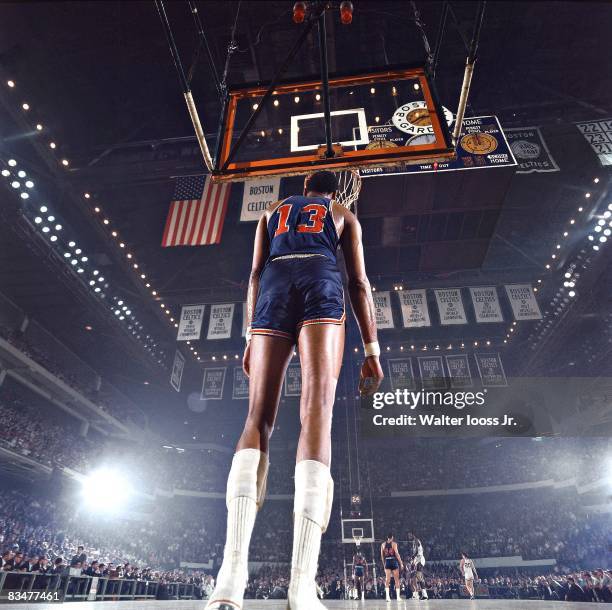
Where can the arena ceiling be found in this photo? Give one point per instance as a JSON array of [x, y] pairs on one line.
[[100, 78]]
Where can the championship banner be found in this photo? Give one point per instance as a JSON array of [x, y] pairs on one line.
[[599, 135], [482, 145], [245, 318], [491, 370], [415, 312], [530, 150], [212, 384], [486, 304], [431, 369], [382, 305], [240, 386], [177, 371], [401, 374], [190, 324], [523, 301], [220, 325], [459, 371], [293, 380], [257, 196], [450, 306]]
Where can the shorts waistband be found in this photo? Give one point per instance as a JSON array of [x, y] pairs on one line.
[[290, 256]]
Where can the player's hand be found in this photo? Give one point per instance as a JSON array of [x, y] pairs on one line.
[[371, 376], [246, 359]]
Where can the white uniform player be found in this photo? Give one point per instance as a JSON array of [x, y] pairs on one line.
[[468, 569]]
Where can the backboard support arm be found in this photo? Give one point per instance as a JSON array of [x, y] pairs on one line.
[[268, 94], [329, 150], [469, 71], [191, 107]]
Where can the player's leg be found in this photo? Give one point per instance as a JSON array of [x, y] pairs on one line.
[[398, 585], [423, 585], [387, 584], [321, 347], [246, 483]]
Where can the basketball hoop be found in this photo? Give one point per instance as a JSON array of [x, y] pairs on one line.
[[349, 187], [357, 540]]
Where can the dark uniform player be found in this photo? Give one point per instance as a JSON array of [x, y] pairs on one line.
[[417, 562], [360, 573], [295, 296], [392, 562]]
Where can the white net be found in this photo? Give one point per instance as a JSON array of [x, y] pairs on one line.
[[349, 187]]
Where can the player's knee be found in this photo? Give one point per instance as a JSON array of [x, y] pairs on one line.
[[260, 425]]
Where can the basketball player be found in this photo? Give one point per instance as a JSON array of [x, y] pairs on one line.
[[468, 569], [392, 562], [295, 296], [417, 563], [360, 573]]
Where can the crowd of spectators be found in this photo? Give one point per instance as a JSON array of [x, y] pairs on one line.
[[86, 384]]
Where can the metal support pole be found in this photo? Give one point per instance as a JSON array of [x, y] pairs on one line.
[[469, 71], [439, 38], [329, 151], [281, 70], [204, 42], [193, 113]]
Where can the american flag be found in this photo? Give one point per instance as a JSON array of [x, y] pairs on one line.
[[197, 212]]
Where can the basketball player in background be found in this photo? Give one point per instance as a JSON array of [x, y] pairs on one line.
[[468, 569], [392, 563], [360, 573], [295, 295], [417, 563]]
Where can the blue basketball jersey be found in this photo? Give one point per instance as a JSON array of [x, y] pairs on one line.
[[303, 225]]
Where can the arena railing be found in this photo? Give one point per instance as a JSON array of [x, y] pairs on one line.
[[92, 588]]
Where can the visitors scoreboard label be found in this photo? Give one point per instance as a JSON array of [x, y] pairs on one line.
[[482, 145]]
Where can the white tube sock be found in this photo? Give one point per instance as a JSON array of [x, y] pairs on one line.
[[245, 493], [311, 508]]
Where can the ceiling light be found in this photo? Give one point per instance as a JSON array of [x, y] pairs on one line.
[[10, 83], [52, 144], [12, 162], [71, 244], [29, 184], [38, 220], [45, 229], [53, 238], [24, 195], [58, 227], [15, 184], [25, 106], [65, 162], [39, 127], [6, 173], [21, 173]]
